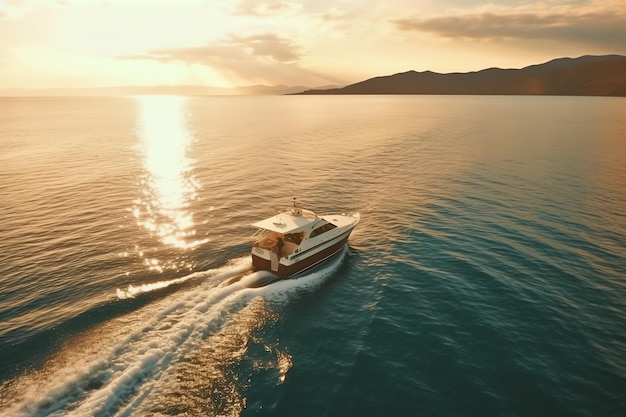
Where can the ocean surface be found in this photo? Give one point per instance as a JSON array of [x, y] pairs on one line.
[[487, 276]]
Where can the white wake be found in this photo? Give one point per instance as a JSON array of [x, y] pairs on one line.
[[237, 266], [113, 369]]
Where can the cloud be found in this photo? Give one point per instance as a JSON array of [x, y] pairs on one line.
[[269, 47], [264, 58], [279, 49], [335, 15], [599, 26], [262, 7], [16, 9]]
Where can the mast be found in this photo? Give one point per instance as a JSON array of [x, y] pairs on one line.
[[295, 209]]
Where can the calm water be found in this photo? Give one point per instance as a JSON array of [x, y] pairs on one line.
[[487, 276]]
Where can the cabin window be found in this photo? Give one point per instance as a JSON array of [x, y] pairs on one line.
[[294, 237], [322, 229]]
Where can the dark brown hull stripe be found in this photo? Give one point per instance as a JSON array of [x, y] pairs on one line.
[[287, 271]]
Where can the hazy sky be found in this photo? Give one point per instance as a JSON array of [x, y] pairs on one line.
[[79, 43]]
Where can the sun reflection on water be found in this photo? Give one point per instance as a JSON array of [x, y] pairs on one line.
[[168, 187]]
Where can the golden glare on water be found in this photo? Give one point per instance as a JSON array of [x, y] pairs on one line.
[[168, 187]]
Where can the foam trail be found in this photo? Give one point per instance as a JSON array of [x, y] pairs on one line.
[[237, 266], [114, 369], [258, 279], [142, 355], [109, 373], [150, 359], [284, 291]]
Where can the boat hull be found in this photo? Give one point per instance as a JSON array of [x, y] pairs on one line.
[[304, 262]]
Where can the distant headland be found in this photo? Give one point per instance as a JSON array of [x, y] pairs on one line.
[[133, 90], [584, 76]]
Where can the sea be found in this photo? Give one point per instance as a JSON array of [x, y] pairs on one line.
[[487, 275]]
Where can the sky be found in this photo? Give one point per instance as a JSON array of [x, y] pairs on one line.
[[226, 43]]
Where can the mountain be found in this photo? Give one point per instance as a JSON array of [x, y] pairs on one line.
[[584, 76], [183, 90]]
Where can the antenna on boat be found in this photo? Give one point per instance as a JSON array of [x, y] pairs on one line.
[[295, 209]]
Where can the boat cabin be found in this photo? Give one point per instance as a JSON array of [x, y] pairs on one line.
[[284, 233], [297, 239]]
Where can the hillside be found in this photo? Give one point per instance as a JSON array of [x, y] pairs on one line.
[[183, 90], [584, 76]]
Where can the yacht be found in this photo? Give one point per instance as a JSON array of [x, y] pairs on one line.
[[298, 239]]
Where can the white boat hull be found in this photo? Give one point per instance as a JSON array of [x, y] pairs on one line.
[[301, 260]]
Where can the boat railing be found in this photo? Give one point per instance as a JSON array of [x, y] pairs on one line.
[[259, 235], [355, 215]]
